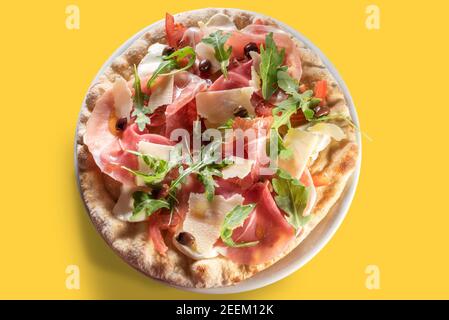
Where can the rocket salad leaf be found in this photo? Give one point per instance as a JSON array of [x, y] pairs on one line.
[[271, 60], [218, 40], [291, 197], [234, 219], [144, 204], [140, 110], [171, 64]]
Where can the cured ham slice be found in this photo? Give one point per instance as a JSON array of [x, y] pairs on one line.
[[238, 77], [163, 221], [191, 37], [256, 33], [107, 146], [177, 115], [254, 143], [265, 224]]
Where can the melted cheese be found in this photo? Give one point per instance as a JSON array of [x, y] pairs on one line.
[[122, 98], [151, 61], [240, 168], [204, 220], [155, 150], [218, 106]]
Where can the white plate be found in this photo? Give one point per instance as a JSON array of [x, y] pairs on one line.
[[318, 238]]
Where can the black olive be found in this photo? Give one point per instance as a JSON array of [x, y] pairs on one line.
[[121, 123], [186, 239], [168, 51], [321, 111], [250, 47], [240, 112], [205, 65]]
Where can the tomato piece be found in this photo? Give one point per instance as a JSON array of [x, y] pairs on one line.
[[174, 31], [321, 91]]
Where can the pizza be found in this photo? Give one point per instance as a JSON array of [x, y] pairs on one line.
[[212, 147]]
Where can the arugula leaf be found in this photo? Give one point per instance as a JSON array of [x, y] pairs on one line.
[[217, 40], [287, 83], [206, 177], [205, 168], [305, 100], [170, 64], [234, 219], [291, 197], [283, 111], [159, 167], [140, 111], [144, 204], [271, 60]]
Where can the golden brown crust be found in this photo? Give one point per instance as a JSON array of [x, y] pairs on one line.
[[336, 162]]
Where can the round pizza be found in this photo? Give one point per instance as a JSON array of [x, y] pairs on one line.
[[212, 147]]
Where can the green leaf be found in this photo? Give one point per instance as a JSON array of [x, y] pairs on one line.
[[283, 112], [218, 40], [144, 204], [287, 83], [164, 67], [291, 197], [234, 219], [271, 60], [206, 177], [170, 64], [159, 167], [140, 111], [206, 167]]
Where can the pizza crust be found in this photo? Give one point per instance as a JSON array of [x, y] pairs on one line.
[[130, 240]]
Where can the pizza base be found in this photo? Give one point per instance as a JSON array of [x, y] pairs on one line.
[[130, 240]]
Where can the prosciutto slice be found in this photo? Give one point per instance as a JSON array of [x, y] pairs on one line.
[[180, 114], [256, 33], [238, 77], [108, 147], [255, 144], [162, 220], [265, 224]]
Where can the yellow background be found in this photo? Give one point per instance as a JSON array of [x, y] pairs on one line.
[[399, 219]]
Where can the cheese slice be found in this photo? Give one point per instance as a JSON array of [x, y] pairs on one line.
[[122, 98], [162, 92], [239, 169], [219, 106], [151, 61], [123, 209], [217, 22], [303, 144], [325, 131], [204, 220], [124, 205], [155, 150], [207, 52], [328, 129]]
